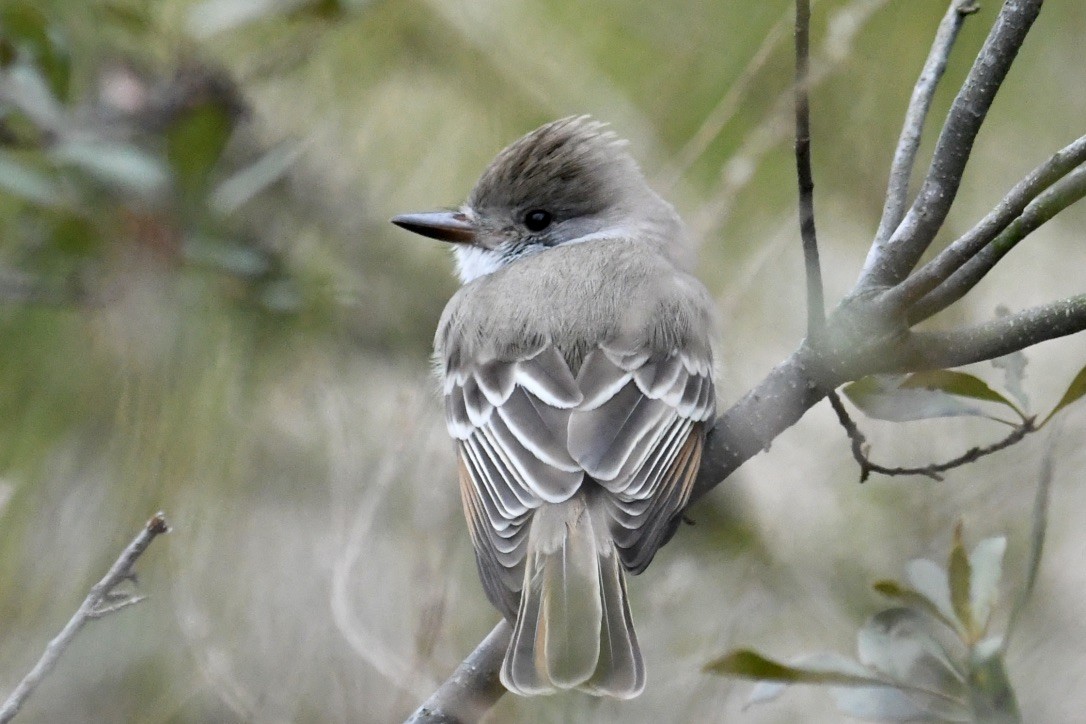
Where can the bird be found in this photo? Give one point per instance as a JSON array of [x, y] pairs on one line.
[[577, 372]]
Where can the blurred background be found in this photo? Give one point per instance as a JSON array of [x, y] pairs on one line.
[[204, 310]]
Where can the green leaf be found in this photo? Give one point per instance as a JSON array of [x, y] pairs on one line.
[[194, 144], [957, 383], [747, 664], [115, 164], [959, 575], [27, 27], [878, 703], [765, 690], [227, 256], [1037, 535], [991, 695], [882, 397], [27, 89], [250, 181], [28, 184], [913, 599], [930, 580], [1075, 390], [900, 644], [986, 566]]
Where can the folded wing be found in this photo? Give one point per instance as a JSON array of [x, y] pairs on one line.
[[639, 433], [510, 419]]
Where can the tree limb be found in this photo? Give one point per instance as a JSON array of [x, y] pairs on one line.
[[889, 262], [938, 350], [1013, 205], [98, 603], [901, 169], [473, 688], [1066, 192]]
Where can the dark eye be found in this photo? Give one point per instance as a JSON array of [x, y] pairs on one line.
[[537, 219]]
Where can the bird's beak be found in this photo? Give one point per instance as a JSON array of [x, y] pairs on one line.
[[452, 226]]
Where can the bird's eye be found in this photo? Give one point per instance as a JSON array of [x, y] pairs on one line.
[[537, 219]]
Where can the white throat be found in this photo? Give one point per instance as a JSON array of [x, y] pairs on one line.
[[473, 262]]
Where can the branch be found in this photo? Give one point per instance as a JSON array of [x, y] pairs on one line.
[[1041, 210], [816, 306], [1013, 205], [473, 688], [954, 348], [933, 470], [905, 155], [99, 602], [889, 262]]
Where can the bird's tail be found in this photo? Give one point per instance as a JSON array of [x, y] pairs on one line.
[[573, 627]]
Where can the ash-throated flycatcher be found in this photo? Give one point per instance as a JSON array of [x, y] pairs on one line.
[[578, 382]]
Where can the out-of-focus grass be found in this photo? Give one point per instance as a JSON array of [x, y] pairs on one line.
[[319, 569]]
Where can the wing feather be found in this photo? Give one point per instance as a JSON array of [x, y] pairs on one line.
[[510, 418], [639, 434]]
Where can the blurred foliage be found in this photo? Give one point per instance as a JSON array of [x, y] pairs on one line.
[[204, 309], [931, 657]]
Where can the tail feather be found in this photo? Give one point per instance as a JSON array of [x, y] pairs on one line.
[[620, 672], [573, 627]]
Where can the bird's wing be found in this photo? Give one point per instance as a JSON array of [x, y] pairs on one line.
[[639, 432], [510, 419]]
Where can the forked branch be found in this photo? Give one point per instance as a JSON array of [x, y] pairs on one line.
[[101, 601]]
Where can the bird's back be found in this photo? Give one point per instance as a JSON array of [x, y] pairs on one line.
[[579, 296]]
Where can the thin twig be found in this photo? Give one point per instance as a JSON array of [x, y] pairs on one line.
[[816, 307], [1067, 191], [932, 470], [91, 608], [889, 262], [905, 154]]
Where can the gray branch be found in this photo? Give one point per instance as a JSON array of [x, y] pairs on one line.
[[1001, 336], [1012, 206], [474, 686], [890, 261], [1066, 192], [99, 602], [901, 170]]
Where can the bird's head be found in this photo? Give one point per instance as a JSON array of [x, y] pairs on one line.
[[570, 181]]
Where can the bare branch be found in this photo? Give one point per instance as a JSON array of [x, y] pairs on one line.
[[1068, 191], [933, 470], [816, 306], [473, 688], [92, 607], [937, 350], [901, 169], [750, 425], [890, 261], [951, 259]]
